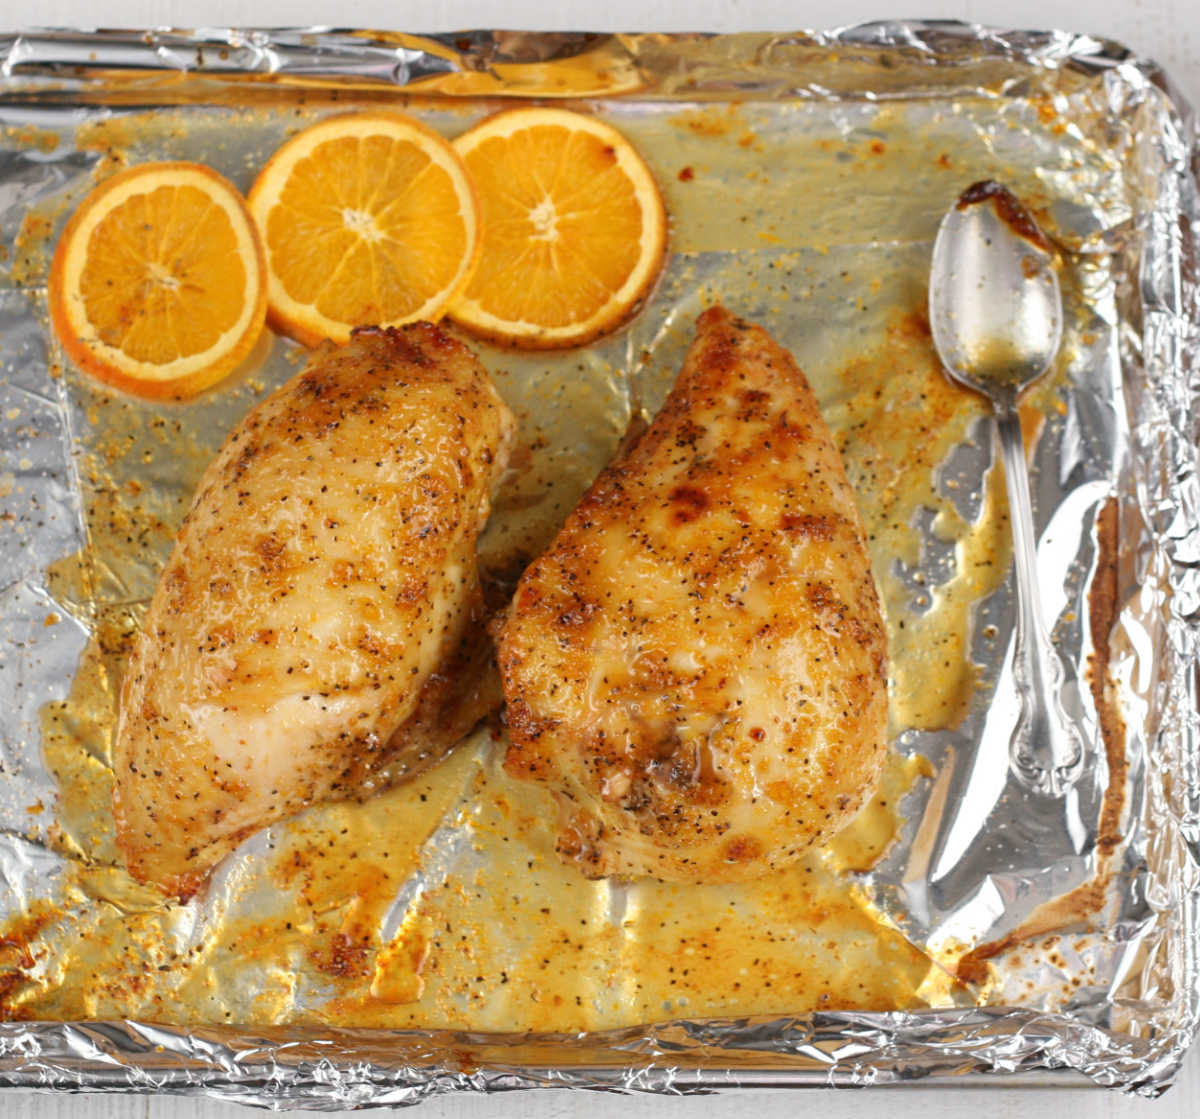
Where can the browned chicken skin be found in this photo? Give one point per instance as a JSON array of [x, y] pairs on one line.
[[697, 665], [318, 630]]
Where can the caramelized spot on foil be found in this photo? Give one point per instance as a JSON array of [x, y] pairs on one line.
[[345, 957], [1102, 610], [17, 957], [717, 121]]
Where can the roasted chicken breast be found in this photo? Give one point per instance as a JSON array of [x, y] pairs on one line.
[[697, 665], [318, 629]]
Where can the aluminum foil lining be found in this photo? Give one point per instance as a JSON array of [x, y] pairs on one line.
[[1066, 933]]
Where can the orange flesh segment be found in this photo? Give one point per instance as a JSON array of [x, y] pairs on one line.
[[574, 230], [368, 219], [163, 279], [158, 284], [557, 210]]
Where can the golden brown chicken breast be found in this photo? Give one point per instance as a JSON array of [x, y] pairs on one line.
[[697, 665], [318, 629]]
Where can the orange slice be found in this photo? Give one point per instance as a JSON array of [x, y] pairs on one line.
[[574, 230], [369, 219], [158, 284]]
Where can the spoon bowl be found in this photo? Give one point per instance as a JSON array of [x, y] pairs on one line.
[[995, 306]]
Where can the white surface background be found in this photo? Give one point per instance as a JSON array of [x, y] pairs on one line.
[[1166, 30]]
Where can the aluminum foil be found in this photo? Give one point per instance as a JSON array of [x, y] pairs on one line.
[[1060, 937]]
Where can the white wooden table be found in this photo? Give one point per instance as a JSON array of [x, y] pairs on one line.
[[1167, 30]]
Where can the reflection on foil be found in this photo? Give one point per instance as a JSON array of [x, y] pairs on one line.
[[978, 928]]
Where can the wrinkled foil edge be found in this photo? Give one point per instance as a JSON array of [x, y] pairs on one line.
[[334, 1069]]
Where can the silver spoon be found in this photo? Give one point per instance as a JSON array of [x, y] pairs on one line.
[[996, 312]]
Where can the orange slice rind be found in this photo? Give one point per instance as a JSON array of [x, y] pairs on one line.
[[574, 229], [369, 219], [158, 283]]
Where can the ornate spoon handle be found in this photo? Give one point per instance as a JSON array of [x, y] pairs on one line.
[[1046, 748]]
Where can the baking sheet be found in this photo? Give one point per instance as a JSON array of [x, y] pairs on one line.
[[805, 176]]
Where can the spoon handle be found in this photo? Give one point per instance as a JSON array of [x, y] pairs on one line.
[[1046, 748]]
